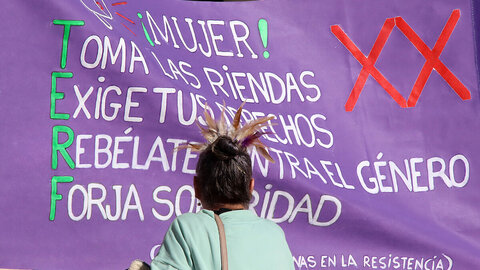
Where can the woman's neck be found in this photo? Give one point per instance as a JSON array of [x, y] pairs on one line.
[[227, 206]]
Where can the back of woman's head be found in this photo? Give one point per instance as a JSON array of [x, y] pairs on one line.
[[224, 172]]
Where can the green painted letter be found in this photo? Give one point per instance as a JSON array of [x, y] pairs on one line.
[[61, 147], [54, 95], [66, 35], [54, 197]]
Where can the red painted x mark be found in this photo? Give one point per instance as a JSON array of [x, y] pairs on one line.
[[432, 60], [431, 56], [368, 64]]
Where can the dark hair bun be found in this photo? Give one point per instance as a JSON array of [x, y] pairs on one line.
[[225, 148]]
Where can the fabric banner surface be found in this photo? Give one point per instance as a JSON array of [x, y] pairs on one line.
[[375, 136]]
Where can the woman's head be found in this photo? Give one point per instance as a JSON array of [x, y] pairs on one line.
[[224, 168], [224, 174]]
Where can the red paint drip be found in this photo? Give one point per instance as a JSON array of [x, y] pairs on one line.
[[119, 3], [129, 29], [100, 5], [125, 17]]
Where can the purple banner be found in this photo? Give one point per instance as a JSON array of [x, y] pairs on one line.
[[375, 135]]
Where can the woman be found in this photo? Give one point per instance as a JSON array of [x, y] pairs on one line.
[[224, 185]]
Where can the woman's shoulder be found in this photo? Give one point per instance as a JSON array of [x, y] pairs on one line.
[[270, 226], [193, 219], [250, 218], [205, 218]]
